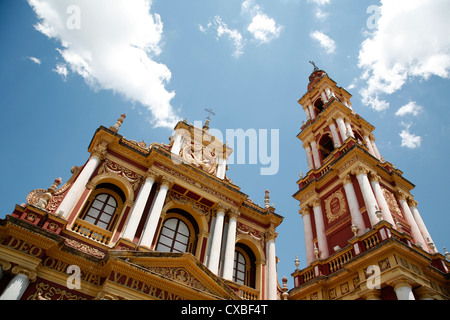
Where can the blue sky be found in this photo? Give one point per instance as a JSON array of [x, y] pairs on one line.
[[67, 70]]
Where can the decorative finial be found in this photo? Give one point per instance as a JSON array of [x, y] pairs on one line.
[[285, 289], [398, 224], [378, 213], [354, 228], [211, 113], [266, 200], [314, 65], [297, 262], [43, 201], [316, 251], [206, 126], [447, 254], [301, 175], [118, 123], [431, 244]]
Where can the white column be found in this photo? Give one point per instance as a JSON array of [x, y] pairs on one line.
[[16, 287], [375, 149], [369, 198], [336, 140], [230, 247], [353, 205], [320, 230], [403, 290], [308, 234], [211, 235], [176, 147], [417, 236], [138, 208], [155, 213], [349, 104], [342, 129], [213, 263], [222, 167], [423, 229], [349, 129], [308, 116], [315, 155], [369, 145], [330, 93], [78, 186], [385, 212], [311, 111], [324, 97], [309, 157], [271, 266]]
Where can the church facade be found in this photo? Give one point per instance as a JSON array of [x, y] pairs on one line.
[[136, 222], [164, 222], [363, 233]]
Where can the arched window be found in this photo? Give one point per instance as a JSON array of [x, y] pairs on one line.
[[244, 267], [104, 206], [102, 210], [318, 105], [326, 146], [174, 236], [239, 268]]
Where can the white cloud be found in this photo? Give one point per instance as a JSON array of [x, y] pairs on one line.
[[411, 40], [324, 41], [249, 6], [410, 140], [263, 28], [35, 60], [320, 14], [320, 2], [319, 5], [61, 69], [410, 108], [114, 47], [222, 29]]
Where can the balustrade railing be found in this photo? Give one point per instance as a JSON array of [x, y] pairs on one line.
[[338, 260], [371, 241], [245, 292], [91, 231]]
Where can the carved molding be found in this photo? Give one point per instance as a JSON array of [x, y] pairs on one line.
[[182, 199], [391, 201], [335, 206], [45, 291], [195, 183], [132, 177], [200, 156]]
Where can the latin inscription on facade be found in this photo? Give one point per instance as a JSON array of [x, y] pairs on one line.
[[335, 206]]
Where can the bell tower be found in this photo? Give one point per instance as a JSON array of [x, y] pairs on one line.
[[354, 204]]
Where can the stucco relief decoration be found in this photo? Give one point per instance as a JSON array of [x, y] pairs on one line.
[[392, 202], [132, 177], [201, 208], [196, 183], [200, 156], [85, 248], [52, 197], [180, 275], [246, 230], [44, 291], [335, 206]]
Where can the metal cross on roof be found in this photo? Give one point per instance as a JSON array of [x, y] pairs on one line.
[[210, 111], [314, 65]]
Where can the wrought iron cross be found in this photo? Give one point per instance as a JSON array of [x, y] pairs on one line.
[[314, 65], [210, 111]]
